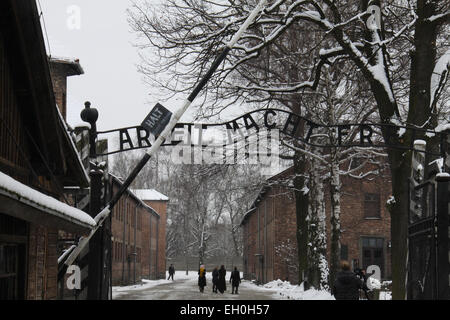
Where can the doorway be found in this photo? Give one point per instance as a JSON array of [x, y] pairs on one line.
[[373, 253]]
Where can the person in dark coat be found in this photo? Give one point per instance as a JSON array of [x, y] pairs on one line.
[[215, 279], [347, 284], [235, 280], [221, 283], [202, 278], [171, 272]]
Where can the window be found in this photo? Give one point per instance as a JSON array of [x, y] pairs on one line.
[[372, 206], [344, 252], [12, 273]]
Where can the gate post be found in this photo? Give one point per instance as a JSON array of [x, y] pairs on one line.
[[443, 220], [446, 149], [95, 260], [443, 237]]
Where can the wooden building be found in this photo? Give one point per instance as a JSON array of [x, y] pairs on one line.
[[138, 235], [269, 228], [37, 159]]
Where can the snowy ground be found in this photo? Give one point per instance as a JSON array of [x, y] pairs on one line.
[[185, 288]]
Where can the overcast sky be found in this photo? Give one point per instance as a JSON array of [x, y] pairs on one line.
[[103, 42]]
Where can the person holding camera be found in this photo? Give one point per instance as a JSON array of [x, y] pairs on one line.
[[361, 274], [347, 284]]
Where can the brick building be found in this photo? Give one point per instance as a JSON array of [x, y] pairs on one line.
[[138, 235], [37, 159], [269, 228], [61, 69]]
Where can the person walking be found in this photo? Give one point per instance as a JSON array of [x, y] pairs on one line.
[[202, 278], [221, 283], [235, 280], [215, 279], [171, 272], [347, 284]]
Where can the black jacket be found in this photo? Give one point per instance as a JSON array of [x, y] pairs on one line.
[[235, 278], [346, 286], [221, 285], [215, 276]]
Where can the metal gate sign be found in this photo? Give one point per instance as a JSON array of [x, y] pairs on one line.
[[157, 119], [240, 128]]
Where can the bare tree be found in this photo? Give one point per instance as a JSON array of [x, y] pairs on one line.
[[395, 50]]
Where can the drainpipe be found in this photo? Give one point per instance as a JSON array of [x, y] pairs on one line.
[[124, 253], [265, 242], [135, 230], [157, 248], [259, 272], [150, 250]]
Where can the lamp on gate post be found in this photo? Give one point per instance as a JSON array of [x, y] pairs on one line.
[[96, 244]]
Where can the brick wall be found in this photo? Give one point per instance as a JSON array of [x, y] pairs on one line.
[[42, 263], [355, 226], [59, 78], [128, 240], [148, 237], [160, 242], [285, 235], [276, 239]]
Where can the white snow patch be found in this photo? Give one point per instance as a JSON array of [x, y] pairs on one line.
[[401, 132], [442, 66], [150, 195], [373, 283], [82, 125], [280, 290], [379, 74], [420, 142], [297, 292], [442, 127], [391, 200], [305, 190]]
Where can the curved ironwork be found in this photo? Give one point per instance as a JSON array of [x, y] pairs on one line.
[[269, 119]]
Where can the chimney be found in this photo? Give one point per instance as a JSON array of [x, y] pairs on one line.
[[60, 70]]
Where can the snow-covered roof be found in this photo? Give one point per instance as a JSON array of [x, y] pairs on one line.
[[73, 63], [150, 195], [133, 194], [16, 190]]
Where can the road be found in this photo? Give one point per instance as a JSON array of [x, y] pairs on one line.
[[185, 288]]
